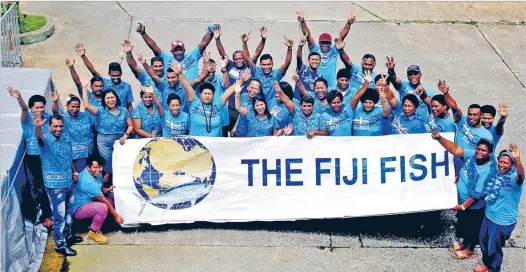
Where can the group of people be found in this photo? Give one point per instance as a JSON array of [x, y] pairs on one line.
[[70, 152]]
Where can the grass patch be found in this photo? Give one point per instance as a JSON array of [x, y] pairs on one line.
[[52, 261], [29, 23]]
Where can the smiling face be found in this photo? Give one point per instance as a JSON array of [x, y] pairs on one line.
[[239, 61], [504, 164], [487, 120], [408, 108], [158, 68], [437, 108], [368, 64], [379, 86], [306, 108], [73, 108], [115, 77], [482, 152], [260, 107], [473, 117], [368, 105], [97, 87], [175, 107], [336, 104], [266, 66], [325, 46], [110, 100], [314, 61], [321, 90], [147, 99], [342, 83], [414, 77], [56, 127], [95, 169], [38, 108], [172, 79], [206, 96], [178, 53], [253, 89]]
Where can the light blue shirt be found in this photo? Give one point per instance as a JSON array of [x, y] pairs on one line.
[[307, 78], [220, 90], [442, 124], [358, 78], [144, 78], [267, 87], [107, 123], [123, 90], [92, 100], [505, 210], [318, 105], [150, 121], [329, 60], [242, 123], [495, 135], [85, 190], [189, 64], [80, 131], [57, 159], [463, 182], [200, 113], [260, 127], [303, 125], [402, 124], [367, 123], [280, 112], [339, 123], [175, 125], [467, 136], [28, 132], [164, 90], [422, 112]]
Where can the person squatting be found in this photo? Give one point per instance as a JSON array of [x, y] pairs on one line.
[[69, 153]]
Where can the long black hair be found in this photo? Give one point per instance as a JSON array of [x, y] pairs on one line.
[[260, 97]]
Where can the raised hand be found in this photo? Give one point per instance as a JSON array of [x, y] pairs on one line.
[[217, 32], [390, 64], [238, 88], [79, 47], [141, 29], [245, 76], [245, 37], [288, 129], [176, 67], [383, 97], [420, 90], [351, 18], [435, 135], [504, 109], [514, 150], [300, 16], [70, 61], [14, 93], [206, 57], [383, 79], [263, 32], [442, 87], [339, 43], [84, 81], [127, 46], [54, 95], [140, 58], [303, 40], [295, 77], [147, 89], [38, 121], [367, 76], [224, 62], [288, 42]]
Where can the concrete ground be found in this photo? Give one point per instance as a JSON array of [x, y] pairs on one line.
[[478, 47]]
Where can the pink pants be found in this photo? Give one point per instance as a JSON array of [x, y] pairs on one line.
[[95, 209]]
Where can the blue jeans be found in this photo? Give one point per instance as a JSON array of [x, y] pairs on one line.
[[62, 219], [492, 238]]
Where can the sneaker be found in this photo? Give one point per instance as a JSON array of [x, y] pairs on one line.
[[74, 240], [98, 237], [66, 251]]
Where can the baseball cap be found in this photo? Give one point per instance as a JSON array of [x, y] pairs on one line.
[[177, 43], [325, 37], [415, 68]]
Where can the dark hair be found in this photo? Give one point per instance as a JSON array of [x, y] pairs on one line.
[[211, 60], [487, 143], [314, 54], [260, 97], [369, 56], [170, 70], [36, 98], [440, 99], [72, 98], [142, 93], [488, 109], [114, 66], [171, 97], [333, 94], [474, 106], [344, 72], [156, 58], [321, 79], [287, 89], [256, 80], [207, 86], [94, 158], [95, 79], [307, 99], [106, 92], [370, 94], [412, 98], [57, 117], [377, 77], [236, 52], [265, 57]]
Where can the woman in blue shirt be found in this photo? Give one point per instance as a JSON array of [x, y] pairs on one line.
[[113, 122], [338, 118], [146, 118], [175, 121], [260, 121], [321, 104], [403, 119], [440, 120]]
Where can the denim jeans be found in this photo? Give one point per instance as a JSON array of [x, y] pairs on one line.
[[59, 199], [492, 239]]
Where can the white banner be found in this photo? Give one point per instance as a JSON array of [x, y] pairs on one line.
[[188, 179]]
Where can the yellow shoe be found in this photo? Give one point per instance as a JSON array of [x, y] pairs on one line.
[[98, 237]]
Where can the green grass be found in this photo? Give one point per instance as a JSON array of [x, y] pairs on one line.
[[31, 22]]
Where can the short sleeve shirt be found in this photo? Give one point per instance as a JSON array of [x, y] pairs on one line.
[[108, 123], [267, 81], [79, 130], [150, 121], [303, 124], [260, 127], [358, 79], [123, 90], [175, 125], [463, 182], [28, 131], [205, 116], [85, 190], [367, 123], [505, 209], [339, 123], [189, 64], [57, 157]]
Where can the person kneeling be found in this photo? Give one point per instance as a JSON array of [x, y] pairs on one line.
[[89, 201]]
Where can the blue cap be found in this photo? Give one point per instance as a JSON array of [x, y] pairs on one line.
[[415, 68]]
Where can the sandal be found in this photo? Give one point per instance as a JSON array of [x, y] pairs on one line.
[[456, 247], [462, 255], [480, 268]]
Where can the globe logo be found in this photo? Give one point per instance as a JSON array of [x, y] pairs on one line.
[[173, 173]]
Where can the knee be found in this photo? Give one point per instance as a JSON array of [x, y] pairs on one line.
[[102, 209]]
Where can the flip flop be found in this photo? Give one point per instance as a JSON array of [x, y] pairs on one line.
[[480, 268], [456, 247], [461, 255]]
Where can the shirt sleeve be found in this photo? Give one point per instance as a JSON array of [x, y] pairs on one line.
[[136, 114], [91, 189], [468, 153], [129, 93], [166, 57], [321, 122], [514, 180], [142, 77], [315, 48], [126, 114]]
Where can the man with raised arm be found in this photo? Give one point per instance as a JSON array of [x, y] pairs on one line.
[[122, 88], [142, 76], [357, 72], [488, 117], [327, 50], [96, 86], [188, 61], [306, 74]]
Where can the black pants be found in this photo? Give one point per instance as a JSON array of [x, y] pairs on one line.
[[34, 196], [468, 226], [232, 116]]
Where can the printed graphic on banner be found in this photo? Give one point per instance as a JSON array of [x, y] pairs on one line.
[[173, 173]]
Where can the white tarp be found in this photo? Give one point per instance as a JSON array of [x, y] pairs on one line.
[[187, 179], [21, 244]]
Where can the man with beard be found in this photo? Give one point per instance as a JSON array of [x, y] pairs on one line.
[[189, 61], [306, 74], [142, 76], [487, 118], [95, 89], [327, 50], [122, 88], [357, 73]]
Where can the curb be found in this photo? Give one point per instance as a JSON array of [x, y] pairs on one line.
[[38, 35]]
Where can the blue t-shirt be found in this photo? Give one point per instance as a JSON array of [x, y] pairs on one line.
[[467, 136], [144, 78], [175, 125], [201, 114], [57, 158], [150, 121], [328, 63], [107, 123], [92, 100], [318, 104], [339, 123], [218, 82], [234, 74], [303, 125], [307, 77], [80, 131], [189, 64], [505, 209], [258, 127], [399, 123], [367, 123], [242, 123], [280, 112], [28, 132], [422, 112], [267, 81], [495, 135], [123, 90], [358, 78], [442, 124], [164, 90], [463, 182], [347, 97], [85, 190]]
